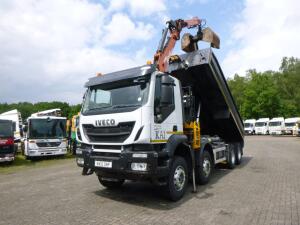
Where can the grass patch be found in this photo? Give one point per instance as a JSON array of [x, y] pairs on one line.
[[21, 163]]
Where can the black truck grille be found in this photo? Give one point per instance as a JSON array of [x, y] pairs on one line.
[[47, 144], [108, 134]]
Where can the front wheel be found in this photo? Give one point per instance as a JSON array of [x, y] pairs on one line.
[[111, 183], [178, 179]]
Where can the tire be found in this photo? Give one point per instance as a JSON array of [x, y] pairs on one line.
[[238, 154], [177, 179], [204, 171], [111, 183], [231, 157]]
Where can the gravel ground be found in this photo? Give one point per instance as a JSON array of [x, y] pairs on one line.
[[264, 189]]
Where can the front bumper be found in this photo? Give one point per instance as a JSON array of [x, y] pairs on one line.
[[157, 164], [46, 152], [276, 132], [7, 157]]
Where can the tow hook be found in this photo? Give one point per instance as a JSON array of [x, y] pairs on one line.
[[87, 171]]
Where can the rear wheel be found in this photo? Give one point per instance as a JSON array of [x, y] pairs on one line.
[[204, 171], [111, 183], [231, 159], [178, 179], [238, 154]]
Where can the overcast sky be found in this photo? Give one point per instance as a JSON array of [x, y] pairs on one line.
[[48, 48]]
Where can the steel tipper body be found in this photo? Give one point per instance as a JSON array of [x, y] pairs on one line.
[[142, 124], [45, 135], [7, 151]]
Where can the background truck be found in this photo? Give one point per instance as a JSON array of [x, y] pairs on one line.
[[7, 150], [249, 126], [262, 126], [276, 126], [45, 134], [291, 125], [16, 118], [168, 122]]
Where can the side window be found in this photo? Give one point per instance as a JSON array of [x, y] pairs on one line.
[[164, 103]]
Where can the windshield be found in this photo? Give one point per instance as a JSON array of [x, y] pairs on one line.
[[260, 124], [247, 125], [6, 129], [47, 128], [124, 95], [290, 124], [274, 124]]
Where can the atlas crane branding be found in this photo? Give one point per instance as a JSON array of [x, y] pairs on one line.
[[105, 123]]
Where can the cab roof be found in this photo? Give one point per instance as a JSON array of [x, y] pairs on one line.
[[120, 75]]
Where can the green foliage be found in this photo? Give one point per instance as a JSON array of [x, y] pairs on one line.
[[27, 108], [269, 94]]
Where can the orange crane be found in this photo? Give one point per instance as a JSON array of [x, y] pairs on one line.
[[188, 42]]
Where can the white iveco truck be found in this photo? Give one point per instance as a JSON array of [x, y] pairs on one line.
[[291, 125], [167, 124], [45, 134], [249, 126], [276, 126], [262, 126]]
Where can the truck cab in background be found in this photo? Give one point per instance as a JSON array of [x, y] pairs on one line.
[[276, 126], [45, 134], [262, 126], [15, 117], [7, 150], [291, 125], [249, 126]]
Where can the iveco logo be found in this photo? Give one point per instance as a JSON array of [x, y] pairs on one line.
[[107, 122]]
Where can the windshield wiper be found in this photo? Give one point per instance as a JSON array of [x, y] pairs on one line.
[[99, 108], [124, 106]]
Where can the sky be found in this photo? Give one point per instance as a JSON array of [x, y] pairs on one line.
[[49, 48]]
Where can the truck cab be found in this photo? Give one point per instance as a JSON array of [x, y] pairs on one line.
[[143, 124], [290, 125], [262, 126], [7, 150], [276, 126], [249, 126], [45, 135]]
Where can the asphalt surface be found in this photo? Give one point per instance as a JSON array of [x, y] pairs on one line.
[[264, 189]]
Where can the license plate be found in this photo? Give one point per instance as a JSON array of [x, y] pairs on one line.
[[104, 164]]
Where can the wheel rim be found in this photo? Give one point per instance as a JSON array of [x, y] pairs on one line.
[[206, 167], [179, 178]]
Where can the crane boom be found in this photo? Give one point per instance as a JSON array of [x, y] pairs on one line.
[[174, 27], [165, 49]]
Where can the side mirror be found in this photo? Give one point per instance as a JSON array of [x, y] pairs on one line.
[[167, 84], [25, 128], [166, 95]]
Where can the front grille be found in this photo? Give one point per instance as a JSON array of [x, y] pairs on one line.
[[47, 144], [108, 134]]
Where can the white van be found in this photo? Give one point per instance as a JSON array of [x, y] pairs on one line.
[[276, 126], [290, 125], [262, 126], [249, 126]]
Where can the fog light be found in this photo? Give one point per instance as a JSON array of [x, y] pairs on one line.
[[139, 166], [80, 161], [139, 155], [78, 151]]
